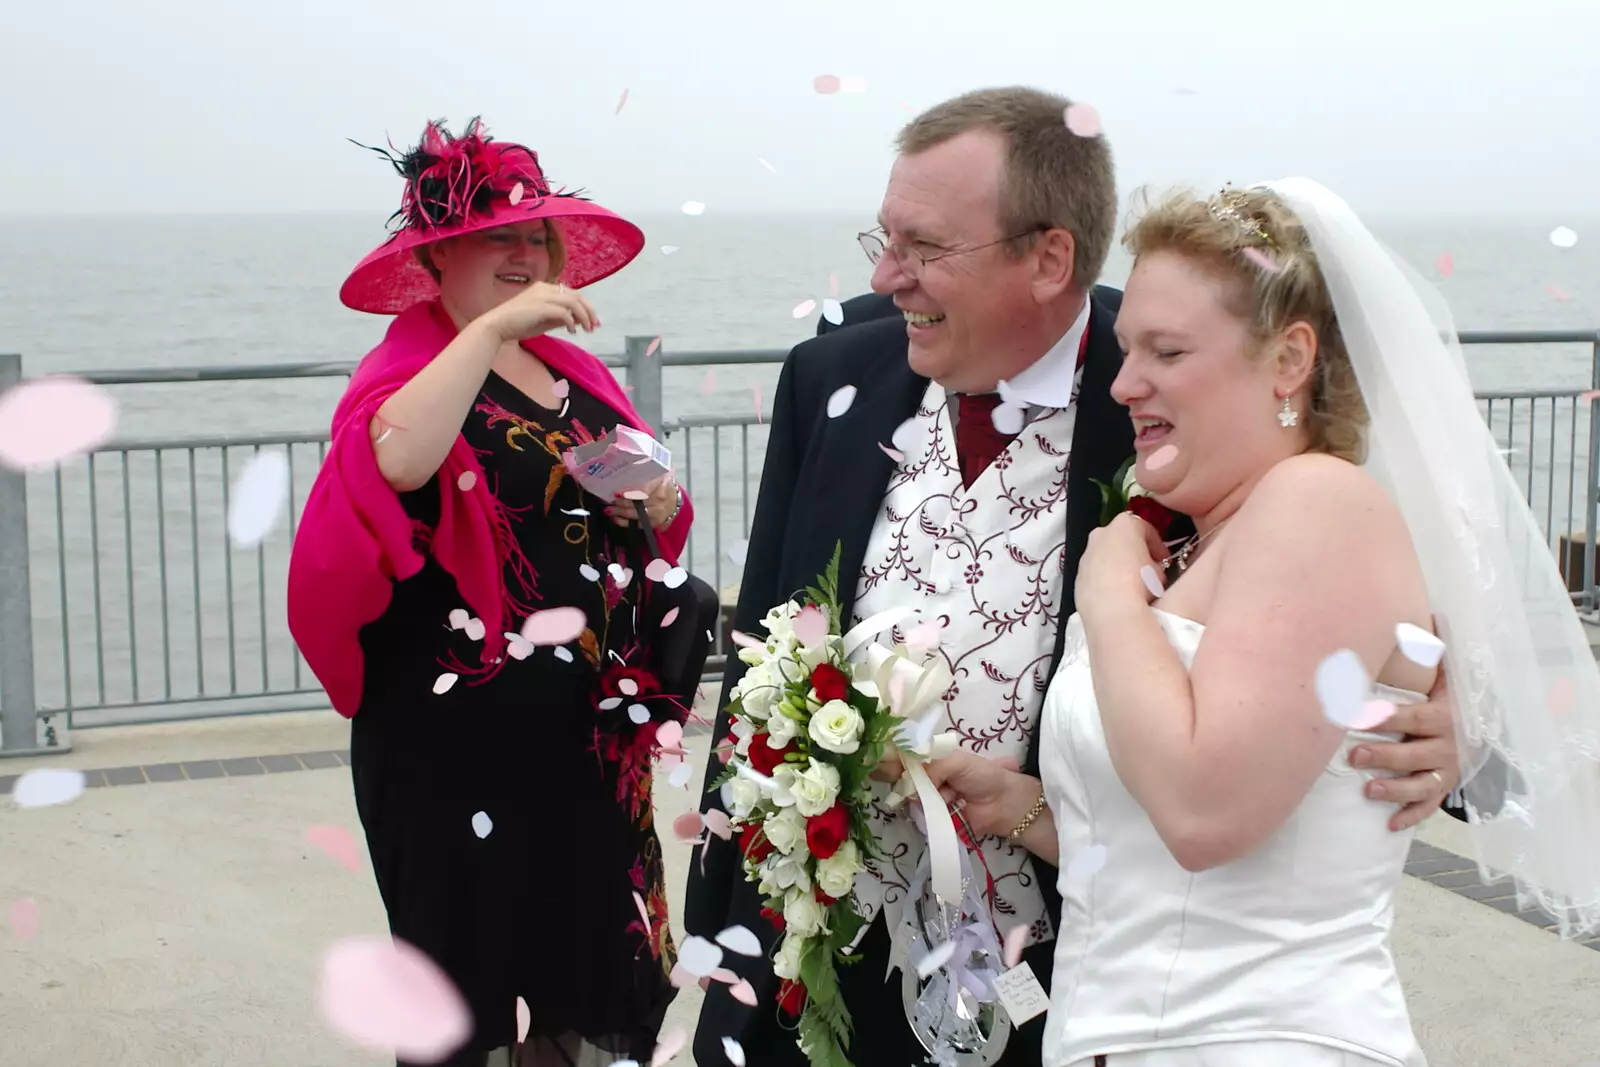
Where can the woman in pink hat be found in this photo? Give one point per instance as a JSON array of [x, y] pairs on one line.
[[501, 742]]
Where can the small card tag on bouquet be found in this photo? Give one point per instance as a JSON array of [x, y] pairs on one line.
[[1021, 994]]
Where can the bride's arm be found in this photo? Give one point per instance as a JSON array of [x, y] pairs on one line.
[[1317, 560]]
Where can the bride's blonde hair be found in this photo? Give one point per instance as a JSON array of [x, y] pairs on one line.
[[1250, 239]]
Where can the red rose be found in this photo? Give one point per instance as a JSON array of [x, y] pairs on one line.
[[765, 758], [753, 844], [779, 923], [1147, 509], [826, 832], [830, 682], [824, 899], [792, 998], [644, 682]]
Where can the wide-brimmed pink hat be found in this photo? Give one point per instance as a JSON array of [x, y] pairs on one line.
[[457, 185]]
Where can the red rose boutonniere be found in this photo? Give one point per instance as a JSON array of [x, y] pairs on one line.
[[1126, 494]]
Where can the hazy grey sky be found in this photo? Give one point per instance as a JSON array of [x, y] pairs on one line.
[[1453, 106]]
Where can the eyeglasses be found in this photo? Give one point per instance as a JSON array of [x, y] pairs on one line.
[[911, 262]]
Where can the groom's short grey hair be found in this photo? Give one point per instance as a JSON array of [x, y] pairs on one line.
[[1053, 178]]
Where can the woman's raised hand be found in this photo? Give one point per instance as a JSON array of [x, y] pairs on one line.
[[538, 309]]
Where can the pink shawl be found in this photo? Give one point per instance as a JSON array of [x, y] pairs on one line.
[[355, 540]]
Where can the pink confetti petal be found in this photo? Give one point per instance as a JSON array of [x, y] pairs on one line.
[[679, 978], [561, 388], [389, 996], [669, 735], [723, 975], [925, 634], [652, 347], [45, 421], [687, 827], [524, 1020], [851, 84], [656, 570], [621, 100], [1562, 696], [804, 308], [518, 647], [636, 494], [1373, 714], [826, 84], [23, 916], [628, 687], [1558, 292], [669, 618], [717, 822], [755, 391], [744, 640], [638, 902], [474, 630], [516, 194], [669, 1045], [833, 286], [811, 626], [1016, 941], [554, 627], [709, 386], [1262, 260], [1445, 264], [893, 453], [467, 480], [338, 843], [459, 618], [743, 992], [1161, 457], [1083, 120]]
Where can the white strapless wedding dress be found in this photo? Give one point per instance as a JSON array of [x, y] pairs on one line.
[[1278, 959]]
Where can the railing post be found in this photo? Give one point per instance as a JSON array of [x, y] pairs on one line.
[[1592, 488], [19, 728], [644, 377]]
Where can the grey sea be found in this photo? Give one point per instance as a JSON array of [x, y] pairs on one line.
[[138, 598]]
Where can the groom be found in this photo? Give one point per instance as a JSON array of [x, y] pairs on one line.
[[996, 222]]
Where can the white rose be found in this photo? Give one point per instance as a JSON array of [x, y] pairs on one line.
[[781, 730], [779, 874], [836, 875], [759, 692], [1131, 487], [786, 964], [815, 789], [827, 652], [803, 915], [786, 829], [837, 727], [743, 796], [779, 623]]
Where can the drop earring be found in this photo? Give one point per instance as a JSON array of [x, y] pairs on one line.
[[1288, 417]]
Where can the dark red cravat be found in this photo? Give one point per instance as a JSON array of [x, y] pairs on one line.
[[977, 441]]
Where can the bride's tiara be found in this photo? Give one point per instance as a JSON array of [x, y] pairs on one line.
[[1231, 205]]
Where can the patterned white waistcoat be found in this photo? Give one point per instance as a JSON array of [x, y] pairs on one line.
[[987, 561]]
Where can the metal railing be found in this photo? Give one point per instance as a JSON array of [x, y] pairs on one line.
[[122, 598]]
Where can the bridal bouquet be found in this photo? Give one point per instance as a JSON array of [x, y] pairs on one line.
[[808, 736]]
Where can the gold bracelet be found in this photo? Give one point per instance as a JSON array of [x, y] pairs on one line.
[[1027, 820]]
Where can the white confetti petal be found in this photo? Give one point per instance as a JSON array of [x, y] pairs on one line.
[[47, 786], [442, 684], [1418, 645], [1563, 237], [734, 1051], [698, 956], [739, 939], [769, 166], [935, 959], [680, 775], [474, 629], [639, 713], [589, 573], [611, 704], [259, 499], [628, 687], [840, 401], [458, 618], [668, 250], [804, 308], [577, 513], [1087, 863], [1008, 418], [564, 655], [833, 311], [518, 647], [693, 207], [739, 552], [674, 578], [1342, 687], [1152, 581], [482, 825]]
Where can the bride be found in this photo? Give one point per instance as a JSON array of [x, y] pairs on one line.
[[1228, 889]]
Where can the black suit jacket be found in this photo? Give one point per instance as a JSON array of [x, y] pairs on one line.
[[822, 485]]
